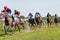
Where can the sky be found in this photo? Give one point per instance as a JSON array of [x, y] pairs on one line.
[[33, 6]]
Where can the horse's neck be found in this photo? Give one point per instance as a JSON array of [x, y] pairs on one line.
[[8, 18], [49, 18], [16, 18], [37, 15], [56, 16]]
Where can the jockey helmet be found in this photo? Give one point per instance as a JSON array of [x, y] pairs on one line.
[[30, 15], [5, 7]]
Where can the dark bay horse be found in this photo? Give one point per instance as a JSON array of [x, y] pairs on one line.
[[31, 20], [38, 19]]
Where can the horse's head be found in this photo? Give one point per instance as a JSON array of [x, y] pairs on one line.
[[4, 15], [37, 15], [30, 15]]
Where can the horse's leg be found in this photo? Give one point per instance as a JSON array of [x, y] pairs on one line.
[[5, 30], [35, 25], [49, 24], [8, 28], [13, 28], [56, 24], [31, 25], [18, 27], [23, 26], [14, 25], [39, 25], [3, 27]]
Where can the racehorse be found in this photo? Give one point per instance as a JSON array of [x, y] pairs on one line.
[[38, 19], [31, 20], [18, 22], [49, 19], [56, 20], [7, 21]]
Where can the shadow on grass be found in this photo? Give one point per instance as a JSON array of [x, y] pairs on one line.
[[2, 35], [8, 33]]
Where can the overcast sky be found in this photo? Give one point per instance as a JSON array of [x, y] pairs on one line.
[[26, 6]]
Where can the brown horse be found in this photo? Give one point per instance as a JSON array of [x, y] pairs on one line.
[[38, 19], [49, 20], [56, 20]]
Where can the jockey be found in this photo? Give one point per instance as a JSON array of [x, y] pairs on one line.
[[8, 10], [17, 13], [30, 15]]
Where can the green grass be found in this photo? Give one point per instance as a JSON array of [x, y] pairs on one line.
[[45, 33]]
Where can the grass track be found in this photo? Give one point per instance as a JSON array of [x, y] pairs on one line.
[[45, 33]]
